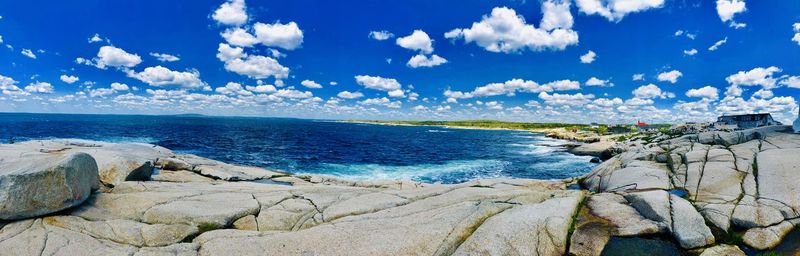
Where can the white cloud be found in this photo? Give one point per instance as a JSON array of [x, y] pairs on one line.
[[764, 94], [227, 53], [796, 37], [239, 37], [757, 76], [397, 93], [638, 102], [28, 53], [418, 41], [594, 81], [726, 9], [110, 56], [163, 57], [310, 84], [95, 38], [378, 83], [707, 92], [420, 60], [257, 67], [638, 77], [671, 76], [380, 35], [39, 87], [119, 87], [287, 36], [232, 88], [556, 15], [791, 82], [651, 91], [603, 102], [69, 79], [733, 91], [349, 95], [577, 99], [506, 31], [264, 88], [690, 52], [232, 12], [718, 44], [588, 57], [563, 85], [101, 92], [615, 10], [494, 105], [293, 94], [161, 76], [375, 101]]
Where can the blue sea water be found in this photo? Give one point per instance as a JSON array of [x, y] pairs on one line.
[[348, 150]]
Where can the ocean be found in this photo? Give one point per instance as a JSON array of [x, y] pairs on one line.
[[348, 150]]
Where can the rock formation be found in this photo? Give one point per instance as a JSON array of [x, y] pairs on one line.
[[692, 192]]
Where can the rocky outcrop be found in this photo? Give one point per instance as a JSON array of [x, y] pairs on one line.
[[602, 149], [34, 183], [743, 180], [677, 192]]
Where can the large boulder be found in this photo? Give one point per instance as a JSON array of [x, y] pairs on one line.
[[34, 183]]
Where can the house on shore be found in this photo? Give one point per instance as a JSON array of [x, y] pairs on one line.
[[644, 127], [746, 121]]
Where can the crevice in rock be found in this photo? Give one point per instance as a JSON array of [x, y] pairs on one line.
[[702, 171]]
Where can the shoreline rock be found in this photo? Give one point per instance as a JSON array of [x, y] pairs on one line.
[[687, 191]]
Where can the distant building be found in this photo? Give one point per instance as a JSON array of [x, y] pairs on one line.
[[746, 121], [644, 127], [618, 129]]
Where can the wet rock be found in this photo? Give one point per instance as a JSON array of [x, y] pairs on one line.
[[34, 184], [766, 238]]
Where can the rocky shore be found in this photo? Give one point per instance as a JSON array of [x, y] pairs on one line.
[[708, 194]]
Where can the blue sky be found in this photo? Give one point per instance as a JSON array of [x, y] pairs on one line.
[[577, 61]]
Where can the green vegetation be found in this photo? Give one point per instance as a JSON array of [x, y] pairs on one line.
[[480, 124]]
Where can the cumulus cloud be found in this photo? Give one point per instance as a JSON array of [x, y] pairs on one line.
[[39, 87], [389, 85], [161, 76], [791, 82], [651, 91], [349, 95], [110, 56], [287, 36], [719, 43], [163, 57], [69, 79], [28, 53], [311, 84], [231, 13], [726, 9], [588, 57], [707, 92], [615, 10], [671, 76], [257, 67], [511, 87], [264, 88], [577, 99], [380, 35], [420, 60], [506, 31], [563, 85], [757, 76], [239, 37], [638, 77], [291, 93], [418, 41], [594, 81], [232, 88], [690, 52], [119, 87]]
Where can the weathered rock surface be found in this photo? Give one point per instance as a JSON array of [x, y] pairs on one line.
[[194, 206], [33, 183], [723, 249], [602, 149]]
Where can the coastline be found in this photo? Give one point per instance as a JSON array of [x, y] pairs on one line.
[[199, 206]]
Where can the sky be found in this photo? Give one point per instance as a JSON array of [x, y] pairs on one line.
[[581, 61]]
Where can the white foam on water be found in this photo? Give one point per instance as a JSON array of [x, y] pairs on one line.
[[464, 169]]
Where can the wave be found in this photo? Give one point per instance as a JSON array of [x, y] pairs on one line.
[[437, 131], [448, 172]]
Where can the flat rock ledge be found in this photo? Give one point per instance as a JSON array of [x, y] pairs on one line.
[[695, 192]]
